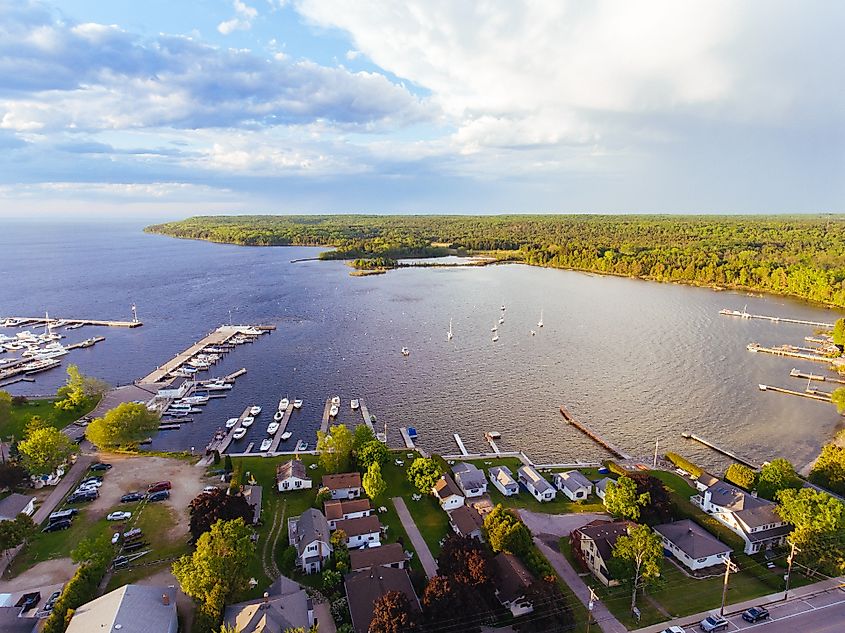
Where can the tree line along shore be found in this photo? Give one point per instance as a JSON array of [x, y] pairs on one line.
[[799, 256]]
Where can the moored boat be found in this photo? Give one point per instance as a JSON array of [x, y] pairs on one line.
[[253, 411], [272, 428], [278, 415], [354, 404], [286, 435], [333, 411], [239, 433], [302, 445], [284, 403], [266, 443], [297, 404], [231, 422], [247, 421]]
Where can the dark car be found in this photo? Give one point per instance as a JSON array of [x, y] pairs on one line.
[[80, 497], [100, 466], [51, 601], [58, 525], [159, 486], [161, 495], [755, 614], [132, 496]]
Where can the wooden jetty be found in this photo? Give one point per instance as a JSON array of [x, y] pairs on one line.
[[365, 413], [235, 374], [89, 342], [53, 321], [813, 394], [460, 444], [795, 373], [324, 424], [491, 439], [746, 315], [283, 425], [409, 443], [724, 451], [249, 447], [787, 350], [592, 434], [220, 445]]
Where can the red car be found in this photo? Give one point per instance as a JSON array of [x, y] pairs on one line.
[[158, 486]]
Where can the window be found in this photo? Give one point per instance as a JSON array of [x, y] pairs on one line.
[[298, 483]]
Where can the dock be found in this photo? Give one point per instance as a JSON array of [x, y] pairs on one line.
[[409, 443], [324, 424], [492, 442], [742, 314], [460, 444], [719, 449], [283, 425], [89, 342], [237, 374], [44, 321], [787, 350], [365, 413], [795, 373], [220, 445], [617, 452], [812, 395]]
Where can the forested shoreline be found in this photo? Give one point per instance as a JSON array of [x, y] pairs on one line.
[[800, 256]]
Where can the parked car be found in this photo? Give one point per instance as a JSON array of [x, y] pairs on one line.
[[80, 497], [51, 601], [58, 525], [62, 515], [119, 516], [673, 629], [713, 623], [132, 496], [115, 538], [158, 486], [100, 466], [755, 614], [210, 489], [132, 533], [161, 495]]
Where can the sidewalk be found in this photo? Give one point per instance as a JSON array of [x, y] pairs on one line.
[[421, 547]]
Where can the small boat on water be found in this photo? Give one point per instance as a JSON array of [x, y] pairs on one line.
[[195, 399], [265, 444], [272, 428], [540, 322], [336, 401], [247, 422], [302, 445], [75, 326], [239, 433], [284, 403], [231, 422], [412, 433], [533, 333], [494, 328], [333, 411], [286, 435], [297, 404], [495, 337], [503, 307], [354, 404], [501, 320], [278, 415], [253, 411], [449, 333], [406, 351]]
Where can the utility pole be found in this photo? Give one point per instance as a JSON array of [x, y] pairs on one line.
[[656, 444], [593, 598], [729, 567], [789, 569]]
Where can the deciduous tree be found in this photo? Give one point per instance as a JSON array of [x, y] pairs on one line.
[[465, 561], [15, 532], [335, 448], [423, 473], [361, 436], [838, 398], [829, 469], [126, 424], [775, 476], [209, 507], [819, 526], [78, 390], [373, 452], [741, 475], [97, 551], [5, 408], [622, 499], [641, 550], [392, 613], [12, 475], [373, 482], [505, 532], [839, 333], [44, 450]]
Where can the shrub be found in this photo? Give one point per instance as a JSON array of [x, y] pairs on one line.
[[741, 475], [615, 468], [685, 464], [81, 588]]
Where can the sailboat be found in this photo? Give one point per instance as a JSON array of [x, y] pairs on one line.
[[449, 333], [540, 322]]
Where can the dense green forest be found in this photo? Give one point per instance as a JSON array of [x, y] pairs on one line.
[[802, 256]]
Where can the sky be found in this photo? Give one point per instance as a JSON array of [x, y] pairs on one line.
[[168, 109]]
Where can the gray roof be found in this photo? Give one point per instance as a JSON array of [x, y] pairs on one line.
[[252, 494], [136, 608], [504, 476], [466, 520], [601, 484], [11, 623], [293, 468], [692, 539], [573, 480], [370, 556], [756, 537], [753, 511], [286, 608], [468, 476], [707, 479], [511, 577], [604, 534], [13, 505], [537, 480], [312, 526], [446, 487]]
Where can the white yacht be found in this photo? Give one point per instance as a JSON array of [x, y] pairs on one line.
[[195, 399], [284, 403], [253, 411], [336, 401], [272, 428], [75, 326], [449, 333], [239, 433], [495, 337], [278, 415], [333, 411], [231, 422], [406, 351], [286, 435], [354, 404], [265, 444], [247, 421], [297, 404]]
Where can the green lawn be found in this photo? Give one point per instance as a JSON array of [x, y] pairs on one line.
[[21, 414]]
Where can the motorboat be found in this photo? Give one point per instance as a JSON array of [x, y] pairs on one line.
[[336, 401], [533, 333], [253, 411], [302, 445], [284, 403], [239, 433], [540, 322], [333, 411], [247, 421], [278, 415], [297, 404], [286, 435], [75, 326], [494, 328], [195, 399], [449, 333], [495, 337], [503, 308], [406, 351], [355, 404], [501, 320], [266, 443], [176, 406], [272, 428], [231, 422], [412, 432]]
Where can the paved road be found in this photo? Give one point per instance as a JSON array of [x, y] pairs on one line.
[[68, 481], [421, 547]]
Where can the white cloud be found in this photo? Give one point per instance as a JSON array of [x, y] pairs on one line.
[[244, 15], [352, 54]]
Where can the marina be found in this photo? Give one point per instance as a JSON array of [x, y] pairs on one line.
[[280, 432], [719, 449], [45, 321], [324, 423], [743, 314], [223, 439], [365, 413]]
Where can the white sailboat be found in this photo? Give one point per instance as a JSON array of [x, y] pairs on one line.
[[449, 333], [540, 322], [495, 337]]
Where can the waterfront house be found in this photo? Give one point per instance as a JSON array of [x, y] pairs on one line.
[[129, 609], [502, 478], [390, 555], [363, 588], [753, 519], [339, 510], [593, 545], [292, 476], [692, 545], [15, 504], [252, 494], [466, 521], [535, 484], [284, 607], [309, 534], [448, 493], [511, 580], [704, 481], [361, 532], [601, 487], [573, 484], [470, 479], [343, 485]]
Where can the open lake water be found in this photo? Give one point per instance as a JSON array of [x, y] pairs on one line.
[[638, 361]]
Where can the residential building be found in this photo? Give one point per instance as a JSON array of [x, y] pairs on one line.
[[292, 476], [573, 484], [511, 580], [704, 481], [285, 606], [15, 504], [448, 493], [12, 621], [361, 532], [350, 509], [363, 588], [252, 494], [465, 521], [535, 484], [594, 543], [601, 487], [309, 534], [470, 479], [692, 545], [129, 609], [343, 485], [502, 478], [750, 517], [390, 555]]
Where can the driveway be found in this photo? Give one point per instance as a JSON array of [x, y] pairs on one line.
[[421, 547], [68, 481], [557, 524]]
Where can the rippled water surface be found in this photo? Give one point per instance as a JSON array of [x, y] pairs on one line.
[[638, 361]]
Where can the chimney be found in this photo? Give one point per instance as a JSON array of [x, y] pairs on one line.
[[165, 599], [266, 603]]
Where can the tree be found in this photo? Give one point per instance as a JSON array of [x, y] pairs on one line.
[[362, 436], [78, 390], [5, 408], [209, 507], [622, 500], [641, 551], [838, 398], [15, 532], [373, 452], [392, 614], [552, 612], [839, 333], [95, 551], [373, 482], [505, 532], [819, 526], [35, 423], [447, 605], [340, 550], [775, 476], [423, 473], [828, 471], [741, 475], [465, 561], [335, 448], [658, 508], [12, 475], [44, 450], [127, 423]]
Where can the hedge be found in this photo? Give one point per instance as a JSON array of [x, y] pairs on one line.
[[615, 468], [81, 588], [685, 464]]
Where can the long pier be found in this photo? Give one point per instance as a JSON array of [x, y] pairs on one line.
[[787, 350], [283, 425], [795, 373], [492, 443], [742, 314], [220, 445], [719, 449], [460, 444], [409, 443], [365, 413], [52, 322], [813, 395], [324, 424], [598, 439]]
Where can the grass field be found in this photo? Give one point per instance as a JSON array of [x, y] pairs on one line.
[[21, 414]]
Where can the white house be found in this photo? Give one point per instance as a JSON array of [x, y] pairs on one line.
[[594, 544], [704, 481], [361, 532], [448, 493], [174, 393], [692, 545], [309, 533], [502, 479], [601, 487], [573, 484], [343, 485], [750, 517], [339, 510], [511, 580], [292, 476], [390, 555], [15, 504], [469, 479], [130, 609], [535, 484]]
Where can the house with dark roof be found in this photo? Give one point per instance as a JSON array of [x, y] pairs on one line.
[[466, 521], [594, 544], [601, 487], [448, 493], [502, 478], [573, 484], [753, 519], [692, 545], [285, 606], [470, 479], [536, 484], [15, 504], [252, 494], [343, 485], [339, 510], [704, 481], [129, 609], [390, 555], [292, 475], [309, 533], [363, 588], [511, 580], [361, 532]]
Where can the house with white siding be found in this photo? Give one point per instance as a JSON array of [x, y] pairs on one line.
[[692, 545], [339, 510], [535, 484], [573, 484], [343, 485], [502, 479], [448, 493], [292, 476], [594, 544], [470, 479], [361, 532], [309, 533]]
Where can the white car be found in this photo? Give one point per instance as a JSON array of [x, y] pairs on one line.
[[673, 629], [119, 516], [115, 538]]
